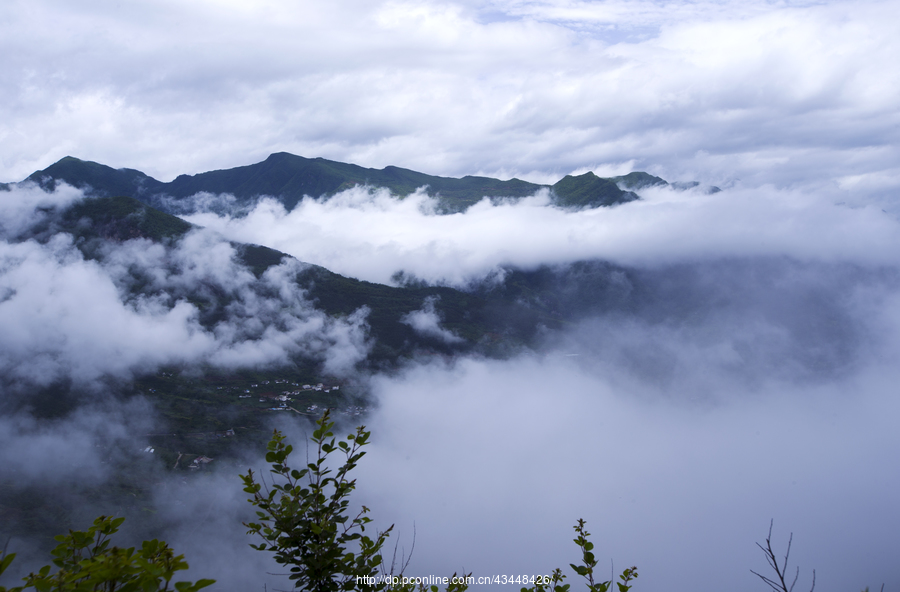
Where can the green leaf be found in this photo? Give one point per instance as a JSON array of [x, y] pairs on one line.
[[5, 561]]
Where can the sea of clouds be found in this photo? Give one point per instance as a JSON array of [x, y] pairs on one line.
[[749, 377], [745, 373], [371, 235], [128, 309]]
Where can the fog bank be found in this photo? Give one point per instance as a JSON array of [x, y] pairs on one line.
[[135, 305], [491, 463], [742, 368], [369, 235]]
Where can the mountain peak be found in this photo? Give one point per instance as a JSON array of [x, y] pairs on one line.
[[289, 178], [589, 190]]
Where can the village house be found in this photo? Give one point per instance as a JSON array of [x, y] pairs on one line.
[[199, 461]]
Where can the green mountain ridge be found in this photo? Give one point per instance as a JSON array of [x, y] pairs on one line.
[[289, 178], [490, 318], [484, 324]]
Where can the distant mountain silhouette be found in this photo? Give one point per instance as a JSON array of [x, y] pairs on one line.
[[289, 178]]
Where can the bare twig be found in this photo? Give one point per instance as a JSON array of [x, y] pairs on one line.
[[404, 558], [779, 584]]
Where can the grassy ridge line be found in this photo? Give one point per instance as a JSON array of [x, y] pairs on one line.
[[482, 321], [290, 178]]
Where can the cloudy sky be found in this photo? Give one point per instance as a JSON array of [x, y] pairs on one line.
[[755, 381], [786, 93]]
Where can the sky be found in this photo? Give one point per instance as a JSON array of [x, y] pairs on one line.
[[784, 93], [752, 377]]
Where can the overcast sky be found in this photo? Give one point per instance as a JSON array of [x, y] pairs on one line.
[[788, 93], [757, 382]]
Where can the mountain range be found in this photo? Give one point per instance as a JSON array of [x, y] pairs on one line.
[[492, 316], [289, 178], [145, 252], [124, 235]]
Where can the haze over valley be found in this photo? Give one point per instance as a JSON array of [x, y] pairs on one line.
[[633, 263]]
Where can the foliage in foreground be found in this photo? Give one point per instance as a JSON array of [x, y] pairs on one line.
[[303, 520], [86, 562]]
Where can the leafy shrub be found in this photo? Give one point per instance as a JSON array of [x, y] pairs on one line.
[[86, 562], [303, 519], [303, 516]]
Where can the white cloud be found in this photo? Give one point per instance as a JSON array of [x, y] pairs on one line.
[[371, 236], [791, 106], [426, 321], [63, 317], [492, 463], [785, 93], [22, 208], [67, 317]]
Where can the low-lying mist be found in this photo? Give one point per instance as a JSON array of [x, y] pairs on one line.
[[487, 465], [743, 368], [132, 306], [369, 234], [719, 396]]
